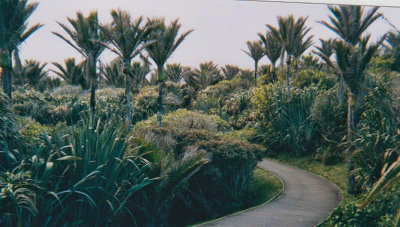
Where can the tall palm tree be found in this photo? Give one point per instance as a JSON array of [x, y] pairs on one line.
[[14, 30], [350, 22], [272, 49], [256, 52], [325, 52], [127, 39], [175, 72], [352, 57], [86, 37], [290, 33], [230, 71], [392, 49], [207, 74], [112, 72], [301, 46], [166, 41], [34, 72], [72, 73], [140, 69], [392, 41], [31, 73]]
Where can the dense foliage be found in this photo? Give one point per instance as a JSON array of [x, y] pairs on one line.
[[179, 145]]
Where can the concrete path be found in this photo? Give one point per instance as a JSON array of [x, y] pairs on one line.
[[307, 200]]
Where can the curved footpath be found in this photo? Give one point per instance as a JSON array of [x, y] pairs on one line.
[[307, 200]]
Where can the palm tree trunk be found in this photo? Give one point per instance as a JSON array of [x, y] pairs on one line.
[[340, 89], [17, 63], [255, 72], [6, 75], [92, 100], [289, 59], [350, 131], [128, 118], [4, 80], [160, 95], [128, 101], [273, 73], [282, 59]]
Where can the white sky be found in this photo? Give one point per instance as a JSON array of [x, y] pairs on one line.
[[221, 27]]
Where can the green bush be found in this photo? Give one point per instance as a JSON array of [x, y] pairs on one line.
[[284, 123], [307, 78], [10, 135], [84, 177], [67, 90], [380, 213], [377, 132], [218, 187], [48, 108], [330, 118], [183, 119], [145, 102], [226, 87], [32, 132], [238, 109]]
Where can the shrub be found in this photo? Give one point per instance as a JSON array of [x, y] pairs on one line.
[[46, 108], [32, 132], [182, 119], [380, 213], [307, 78], [238, 110], [83, 177], [110, 104], [67, 90], [284, 123], [330, 117], [215, 189], [145, 102], [377, 131], [218, 187], [9, 135]]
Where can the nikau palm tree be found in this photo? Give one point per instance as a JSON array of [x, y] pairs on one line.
[[291, 33], [301, 46], [230, 71], [207, 74], [31, 73], [14, 30], [112, 73], [325, 52], [140, 69], [392, 49], [34, 72], [256, 52], [352, 57], [175, 72], [72, 73], [166, 41], [86, 37], [127, 39], [350, 22], [272, 49]]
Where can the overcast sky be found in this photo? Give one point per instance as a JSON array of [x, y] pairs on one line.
[[221, 27]]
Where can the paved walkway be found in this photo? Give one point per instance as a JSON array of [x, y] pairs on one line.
[[306, 200]]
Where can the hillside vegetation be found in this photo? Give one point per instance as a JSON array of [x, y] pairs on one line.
[[140, 141]]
